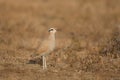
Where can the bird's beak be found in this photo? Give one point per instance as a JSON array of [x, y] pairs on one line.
[[49, 30]]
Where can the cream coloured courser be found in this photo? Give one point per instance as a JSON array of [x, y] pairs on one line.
[[46, 47]]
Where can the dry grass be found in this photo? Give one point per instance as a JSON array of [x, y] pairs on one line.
[[88, 46]]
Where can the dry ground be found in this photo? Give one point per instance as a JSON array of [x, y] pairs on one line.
[[88, 45]]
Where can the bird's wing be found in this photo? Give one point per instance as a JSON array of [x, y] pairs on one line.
[[43, 49], [40, 51]]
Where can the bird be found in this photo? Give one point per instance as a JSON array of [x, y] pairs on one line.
[[46, 47]]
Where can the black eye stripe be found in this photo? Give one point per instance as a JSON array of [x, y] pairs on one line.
[[51, 30]]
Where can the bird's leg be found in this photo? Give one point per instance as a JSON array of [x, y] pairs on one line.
[[45, 63]]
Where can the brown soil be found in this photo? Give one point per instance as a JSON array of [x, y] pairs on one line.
[[88, 43]]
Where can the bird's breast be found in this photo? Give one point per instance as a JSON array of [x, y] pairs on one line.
[[52, 45]]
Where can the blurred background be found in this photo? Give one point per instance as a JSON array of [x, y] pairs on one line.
[[88, 43]]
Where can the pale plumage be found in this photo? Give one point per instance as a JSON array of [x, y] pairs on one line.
[[46, 47]]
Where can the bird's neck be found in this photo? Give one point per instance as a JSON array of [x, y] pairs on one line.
[[52, 36]]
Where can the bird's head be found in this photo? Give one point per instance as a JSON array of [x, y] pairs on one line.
[[52, 30]]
